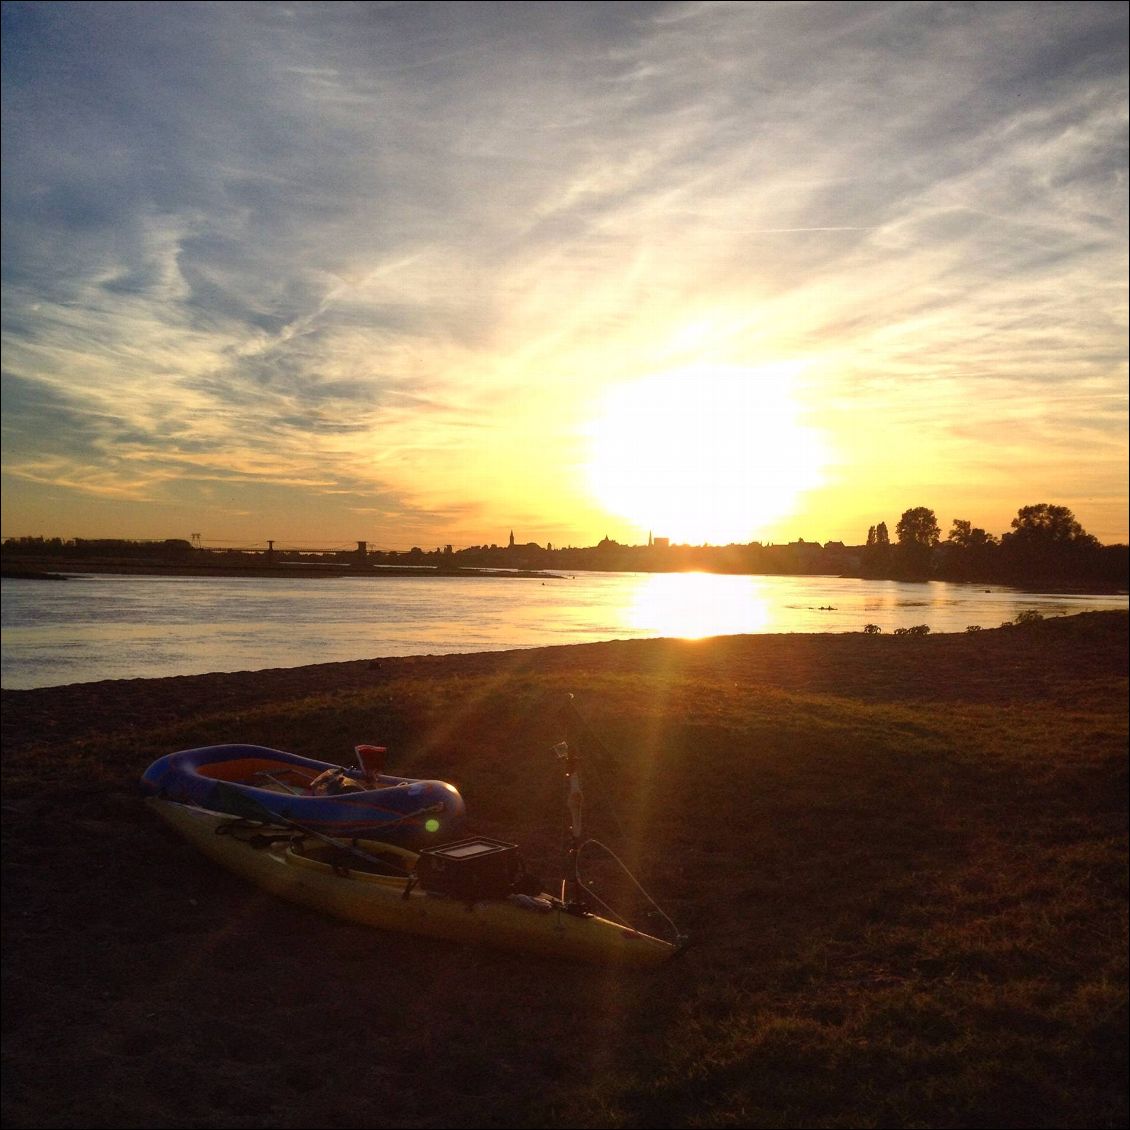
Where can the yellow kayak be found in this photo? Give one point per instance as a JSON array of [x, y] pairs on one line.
[[374, 883]]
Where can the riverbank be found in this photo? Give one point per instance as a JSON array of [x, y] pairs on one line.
[[902, 861], [47, 569]]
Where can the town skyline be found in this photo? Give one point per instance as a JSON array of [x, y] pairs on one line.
[[1046, 545], [513, 539]]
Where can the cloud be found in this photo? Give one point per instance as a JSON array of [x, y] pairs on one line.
[[337, 246]]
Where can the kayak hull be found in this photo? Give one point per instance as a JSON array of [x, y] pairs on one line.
[[313, 875]]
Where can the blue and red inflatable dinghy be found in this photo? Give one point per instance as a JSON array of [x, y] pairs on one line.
[[260, 783]]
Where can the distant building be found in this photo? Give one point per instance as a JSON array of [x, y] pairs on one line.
[[806, 550]]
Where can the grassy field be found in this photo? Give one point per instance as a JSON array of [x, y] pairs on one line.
[[902, 862]]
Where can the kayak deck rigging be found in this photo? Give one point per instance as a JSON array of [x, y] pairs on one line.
[[342, 880]]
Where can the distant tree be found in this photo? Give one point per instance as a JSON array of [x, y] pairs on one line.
[[1112, 566], [174, 547], [918, 534], [1047, 543], [968, 553], [876, 560], [1047, 524], [918, 527], [965, 535]]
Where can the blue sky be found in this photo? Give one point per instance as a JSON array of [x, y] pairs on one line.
[[423, 273]]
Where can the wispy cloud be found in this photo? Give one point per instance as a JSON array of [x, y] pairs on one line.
[[342, 253]]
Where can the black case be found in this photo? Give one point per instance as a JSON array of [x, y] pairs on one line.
[[475, 868]]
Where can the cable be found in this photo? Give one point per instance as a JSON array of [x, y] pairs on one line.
[[680, 938]]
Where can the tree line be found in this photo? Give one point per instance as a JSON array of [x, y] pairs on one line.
[[1046, 545]]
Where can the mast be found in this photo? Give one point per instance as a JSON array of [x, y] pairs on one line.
[[570, 751]]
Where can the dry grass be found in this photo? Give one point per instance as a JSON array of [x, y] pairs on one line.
[[903, 862]]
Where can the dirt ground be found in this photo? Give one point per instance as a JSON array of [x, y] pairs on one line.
[[144, 987]]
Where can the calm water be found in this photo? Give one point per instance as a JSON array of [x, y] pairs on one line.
[[114, 627]]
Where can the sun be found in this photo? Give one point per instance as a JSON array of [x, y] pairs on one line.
[[705, 453]]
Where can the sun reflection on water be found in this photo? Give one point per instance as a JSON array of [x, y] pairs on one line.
[[694, 605]]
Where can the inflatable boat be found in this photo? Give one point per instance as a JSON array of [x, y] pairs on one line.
[[332, 799]]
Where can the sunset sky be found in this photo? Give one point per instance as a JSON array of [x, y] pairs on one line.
[[425, 273]]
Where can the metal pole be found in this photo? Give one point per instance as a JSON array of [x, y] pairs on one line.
[[574, 805]]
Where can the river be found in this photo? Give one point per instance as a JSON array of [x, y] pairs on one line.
[[105, 626]]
